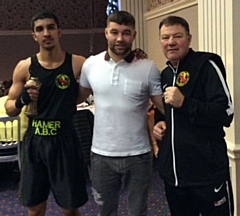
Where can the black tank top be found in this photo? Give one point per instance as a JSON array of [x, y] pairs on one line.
[[58, 92]]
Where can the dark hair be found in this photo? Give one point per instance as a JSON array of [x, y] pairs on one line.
[[122, 17], [175, 20], [44, 15]]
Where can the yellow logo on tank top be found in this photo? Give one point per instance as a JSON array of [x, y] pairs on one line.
[[62, 81], [182, 78], [46, 128]]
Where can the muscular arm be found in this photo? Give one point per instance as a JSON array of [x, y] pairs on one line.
[[20, 76], [83, 94], [77, 63], [157, 100]]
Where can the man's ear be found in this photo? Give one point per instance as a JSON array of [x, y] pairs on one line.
[[189, 39], [34, 36], [106, 33], [134, 34]]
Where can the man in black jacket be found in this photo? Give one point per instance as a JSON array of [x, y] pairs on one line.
[[193, 159]]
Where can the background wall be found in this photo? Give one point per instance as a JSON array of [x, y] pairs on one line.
[[82, 21]]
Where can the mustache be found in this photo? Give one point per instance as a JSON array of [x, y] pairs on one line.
[[47, 38]]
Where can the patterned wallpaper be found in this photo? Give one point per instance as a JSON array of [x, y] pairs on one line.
[[72, 14], [152, 4], [82, 21]]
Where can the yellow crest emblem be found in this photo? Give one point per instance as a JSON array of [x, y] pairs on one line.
[[62, 81], [182, 78]]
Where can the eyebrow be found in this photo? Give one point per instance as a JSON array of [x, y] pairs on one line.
[[125, 30], [48, 26]]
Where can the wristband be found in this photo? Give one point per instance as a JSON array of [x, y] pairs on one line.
[[22, 99]]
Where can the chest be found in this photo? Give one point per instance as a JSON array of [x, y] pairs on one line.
[[118, 77]]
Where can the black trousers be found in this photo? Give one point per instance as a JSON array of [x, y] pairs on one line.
[[209, 200]]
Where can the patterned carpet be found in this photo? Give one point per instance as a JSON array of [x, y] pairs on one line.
[[9, 206]]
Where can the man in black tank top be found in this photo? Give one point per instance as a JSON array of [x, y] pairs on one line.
[[50, 157]]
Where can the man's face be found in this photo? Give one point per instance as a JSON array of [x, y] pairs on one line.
[[175, 42], [120, 38], [46, 33]]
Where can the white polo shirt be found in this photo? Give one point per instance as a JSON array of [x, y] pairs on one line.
[[121, 93]]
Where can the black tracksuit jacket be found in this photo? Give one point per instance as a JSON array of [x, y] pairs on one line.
[[193, 151]]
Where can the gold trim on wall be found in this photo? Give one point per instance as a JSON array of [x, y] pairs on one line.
[[152, 4]]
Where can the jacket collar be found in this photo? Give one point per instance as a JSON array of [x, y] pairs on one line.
[[181, 61]]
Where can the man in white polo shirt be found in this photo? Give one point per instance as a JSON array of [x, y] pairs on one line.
[[122, 86]]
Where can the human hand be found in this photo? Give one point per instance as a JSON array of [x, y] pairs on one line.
[[155, 149], [159, 130], [173, 96], [32, 89], [140, 54]]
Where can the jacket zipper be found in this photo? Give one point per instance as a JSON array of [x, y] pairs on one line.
[[172, 130]]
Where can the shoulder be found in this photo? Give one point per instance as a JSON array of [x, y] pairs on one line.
[[93, 59], [208, 56], [204, 56], [77, 59], [146, 64], [77, 63], [99, 56], [142, 62], [20, 76], [23, 64], [207, 61], [200, 58], [22, 69]]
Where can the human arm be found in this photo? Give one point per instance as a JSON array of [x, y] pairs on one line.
[[83, 94], [157, 100], [155, 90], [21, 91], [77, 64], [160, 127], [159, 130], [173, 96], [150, 125], [209, 103]]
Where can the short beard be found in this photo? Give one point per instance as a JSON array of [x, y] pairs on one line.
[[120, 53]]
